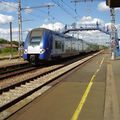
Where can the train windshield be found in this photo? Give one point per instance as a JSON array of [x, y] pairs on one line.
[[36, 37]]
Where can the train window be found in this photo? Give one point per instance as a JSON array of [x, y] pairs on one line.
[[58, 45], [35, 33], [36, 37], [35, 40]]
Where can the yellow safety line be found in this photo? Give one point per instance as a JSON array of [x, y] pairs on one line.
[[101, 62], [80, 106]]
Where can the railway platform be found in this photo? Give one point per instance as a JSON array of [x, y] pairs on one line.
[[88, 92]]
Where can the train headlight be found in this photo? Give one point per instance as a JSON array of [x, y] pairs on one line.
[[25, 51], [42, 51]]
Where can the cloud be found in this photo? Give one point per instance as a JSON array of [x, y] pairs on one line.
[[102, 6], [90, 36], [84, 20], [5, 19], [90, 20], [118, 28], [28, 10], [5, 33], [53, 26], [8, 6]]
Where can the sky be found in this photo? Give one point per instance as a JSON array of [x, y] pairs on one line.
[[62, 12]]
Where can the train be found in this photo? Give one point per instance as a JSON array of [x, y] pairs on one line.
[[42, 44]]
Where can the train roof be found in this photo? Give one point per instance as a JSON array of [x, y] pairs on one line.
[[56, 33], [62, 35], [40, 29]]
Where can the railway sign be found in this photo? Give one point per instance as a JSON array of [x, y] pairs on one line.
[[113, 3]]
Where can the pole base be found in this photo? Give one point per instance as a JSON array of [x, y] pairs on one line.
[[113, 56]]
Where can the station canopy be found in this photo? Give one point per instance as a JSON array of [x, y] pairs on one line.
[[113, 3]]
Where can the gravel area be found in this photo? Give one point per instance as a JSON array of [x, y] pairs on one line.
[[11, 62], [15, 79], [24, 76]]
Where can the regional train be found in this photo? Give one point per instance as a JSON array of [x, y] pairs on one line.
[[43, 44]]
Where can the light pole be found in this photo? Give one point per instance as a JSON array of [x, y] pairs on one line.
[[19, 27], [113, 37], [11, 52], [20, 21]]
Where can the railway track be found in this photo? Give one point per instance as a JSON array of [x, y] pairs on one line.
[[17, 69], [13, 67], [9, 58], [16, 72], [11, 95]]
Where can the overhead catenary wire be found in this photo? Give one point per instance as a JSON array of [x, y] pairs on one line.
[[69, 6], [51, 16], [66, 11], [40, 6], [43, 12], [73, 9]]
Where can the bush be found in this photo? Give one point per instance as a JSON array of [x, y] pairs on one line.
[[3, 41], [8, 50], [15, 43]]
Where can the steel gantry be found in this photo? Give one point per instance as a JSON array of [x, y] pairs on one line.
[[87, 27], [114, 37], [111, 3]]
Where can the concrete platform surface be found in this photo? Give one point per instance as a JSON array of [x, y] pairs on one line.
[[90, 92]]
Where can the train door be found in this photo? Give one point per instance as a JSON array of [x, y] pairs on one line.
[[57, 46], [48, 44], [62, 46]]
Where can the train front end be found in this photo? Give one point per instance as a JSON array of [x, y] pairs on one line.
[[33, 46]]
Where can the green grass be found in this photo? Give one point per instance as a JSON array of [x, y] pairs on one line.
[[7, 52]]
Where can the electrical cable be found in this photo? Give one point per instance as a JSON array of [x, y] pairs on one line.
[[59, 5]]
